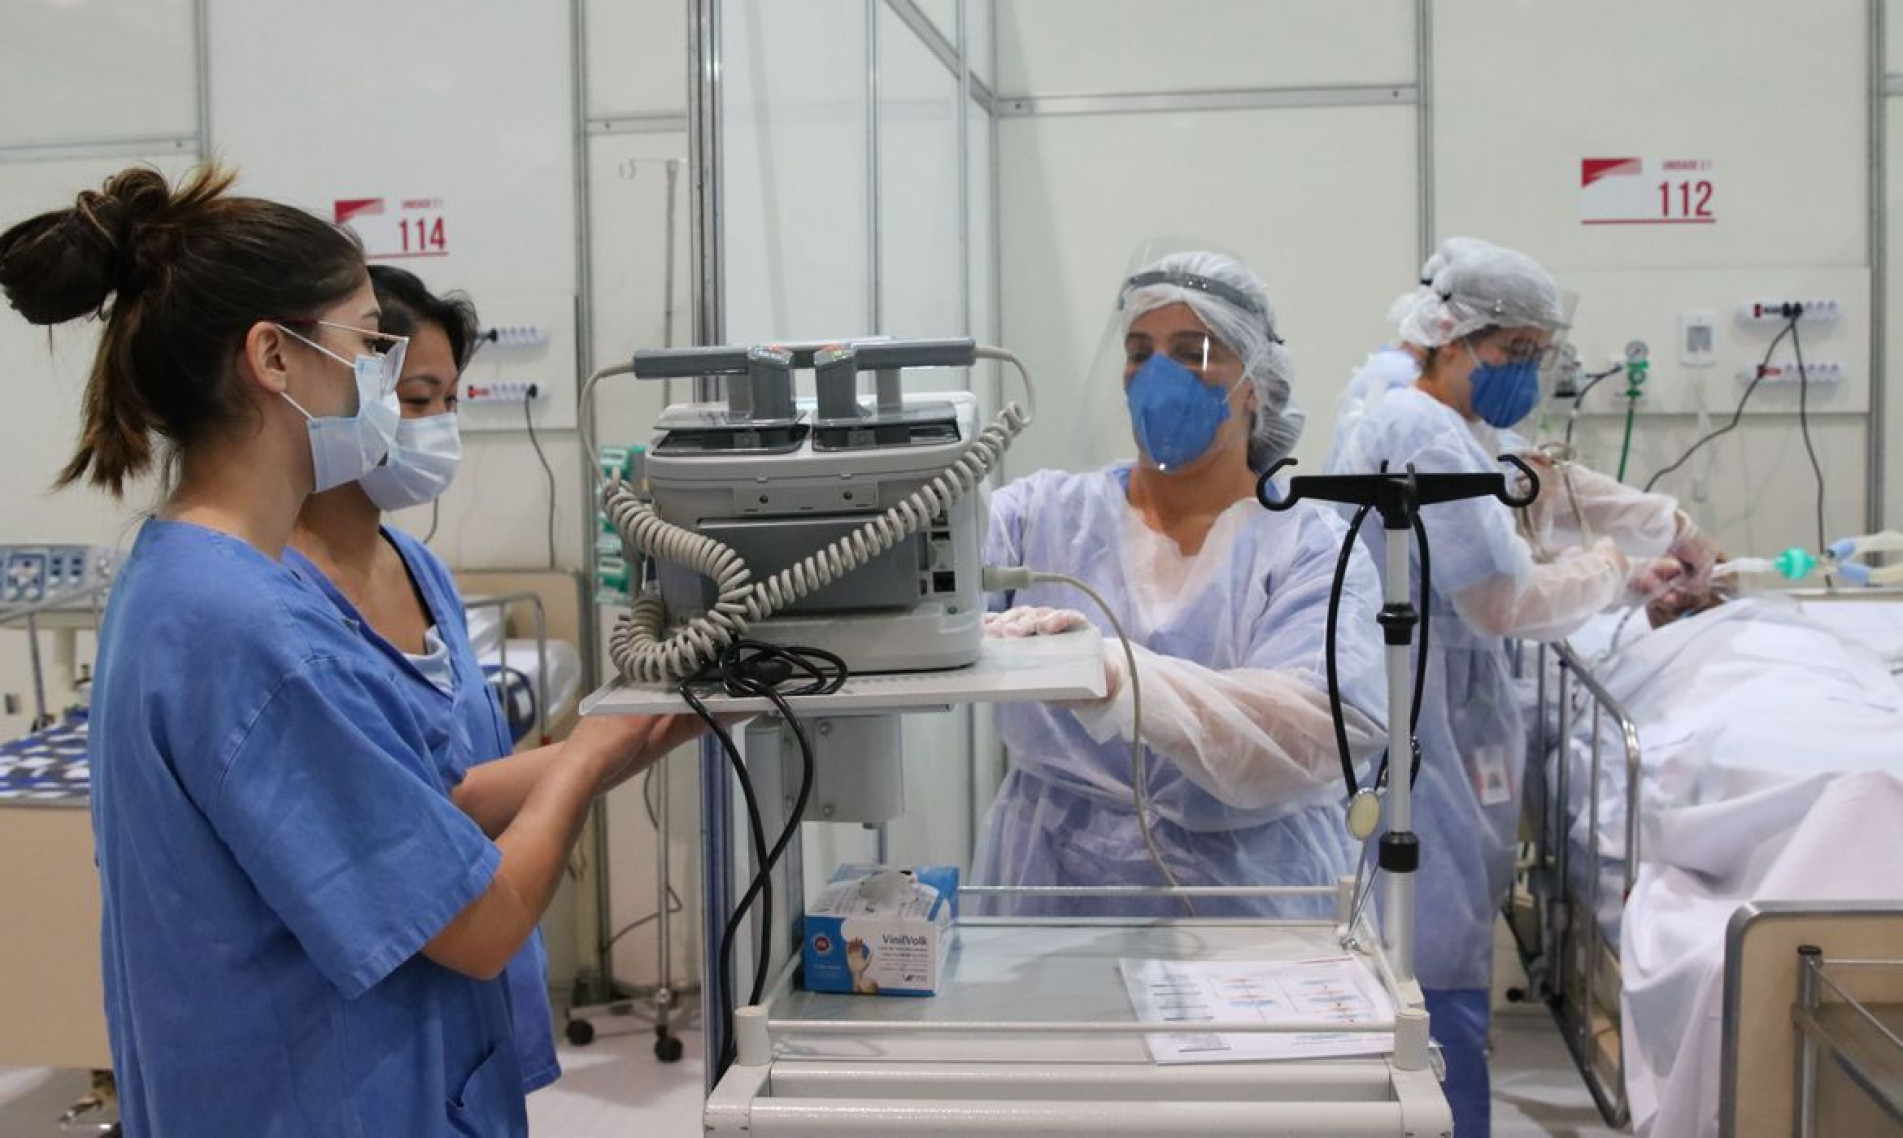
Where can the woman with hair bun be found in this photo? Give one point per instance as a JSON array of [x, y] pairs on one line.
[[304, 913]]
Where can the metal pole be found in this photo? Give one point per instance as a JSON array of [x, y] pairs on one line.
[[703, 156], [1424, 121], [716, 871], [704, 217], [1400, 886], [1809, 959], [40, 718], [201, 20], [1877, 447], [1562, 849], [664, 993], [1594, 949], [874, 309], [974, 795]]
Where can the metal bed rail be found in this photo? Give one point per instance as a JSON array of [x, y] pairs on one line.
[[1861, 1037], [1569, 939], [502, 603], [87, 602]]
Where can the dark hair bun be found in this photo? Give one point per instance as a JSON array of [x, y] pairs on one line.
[[67, 263]]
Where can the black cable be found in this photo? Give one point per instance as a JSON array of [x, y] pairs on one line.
[[1329, 655], [1592, 381], [528, 420], [1736, 416], [487, 336], [1420, 658], [725, 979], [751, 668], [760, 674], [1803, 422], [1335, 591], [435, 515]]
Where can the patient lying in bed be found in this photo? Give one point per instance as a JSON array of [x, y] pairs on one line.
[[1769, 731]]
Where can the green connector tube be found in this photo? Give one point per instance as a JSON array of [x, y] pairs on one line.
[[1795, 563]]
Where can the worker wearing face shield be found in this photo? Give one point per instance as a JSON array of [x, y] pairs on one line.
[[1225, 605], [1445, 399]]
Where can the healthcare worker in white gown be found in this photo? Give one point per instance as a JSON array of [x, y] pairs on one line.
[[1225, 603], [1466, 370]]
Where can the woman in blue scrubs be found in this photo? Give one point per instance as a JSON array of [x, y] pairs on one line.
[[303, 919], [407, 599]]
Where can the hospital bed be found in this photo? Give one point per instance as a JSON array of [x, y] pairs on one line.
[[1673, 778], [1813, 1008], [526, 629]]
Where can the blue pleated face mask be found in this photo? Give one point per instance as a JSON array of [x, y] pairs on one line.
[[1503, 394], [1175, 414]]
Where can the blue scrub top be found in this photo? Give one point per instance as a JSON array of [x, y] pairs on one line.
[[479, 734], [276, 844]]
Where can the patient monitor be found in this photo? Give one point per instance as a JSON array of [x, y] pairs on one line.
[[841, 522]]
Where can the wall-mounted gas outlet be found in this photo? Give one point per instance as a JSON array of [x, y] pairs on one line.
[[514, 335], [1821, 310], [1786, 375], [504, 392]]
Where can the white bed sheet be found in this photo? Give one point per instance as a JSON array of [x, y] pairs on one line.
[[1766, 728], [564, 676]]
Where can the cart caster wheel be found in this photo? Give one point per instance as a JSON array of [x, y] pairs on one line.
[[1516, 995], [580, 1032], [668, 1049]]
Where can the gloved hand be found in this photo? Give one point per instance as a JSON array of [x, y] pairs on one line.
[[1028, 620], [1697, 553], [1654, 579]]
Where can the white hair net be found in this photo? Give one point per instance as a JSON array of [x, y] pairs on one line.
[[1471, 285], [1233, 304], [1450, 249]]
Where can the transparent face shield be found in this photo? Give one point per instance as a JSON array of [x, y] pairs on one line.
[[1162, 389], [1562, 377]]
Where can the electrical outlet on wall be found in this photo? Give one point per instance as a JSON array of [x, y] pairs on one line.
[[1697, 339], [502, 392], [1815, 311]]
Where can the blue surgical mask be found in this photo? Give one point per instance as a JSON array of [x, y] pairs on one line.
[[1174, 412], [1503, 394]]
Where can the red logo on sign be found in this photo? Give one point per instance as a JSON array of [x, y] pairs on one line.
[[1593, 169], [822, 944], [347, 208]]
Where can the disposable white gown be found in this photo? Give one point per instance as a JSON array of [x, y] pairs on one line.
[[1643, 525], [1486, 587], [1244, 779]]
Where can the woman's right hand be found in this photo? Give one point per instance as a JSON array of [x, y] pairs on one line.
[[620, 746]]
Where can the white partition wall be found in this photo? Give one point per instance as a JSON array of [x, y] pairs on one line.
[[1887, 220], [1291, 133], [1787, 139], [855, 200], [84, 92], [639, 295], [485, 106], [1125, 122]]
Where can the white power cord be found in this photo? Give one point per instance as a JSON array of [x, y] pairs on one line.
[[997, 579], [644, 653]]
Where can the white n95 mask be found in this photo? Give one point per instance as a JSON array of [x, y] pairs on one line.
[[344, 448], [421, 463]]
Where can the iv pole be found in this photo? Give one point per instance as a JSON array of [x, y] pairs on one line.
[[1398, 498]]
